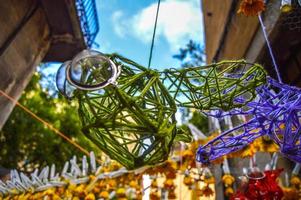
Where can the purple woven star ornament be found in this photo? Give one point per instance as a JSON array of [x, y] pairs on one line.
[[275, 113]]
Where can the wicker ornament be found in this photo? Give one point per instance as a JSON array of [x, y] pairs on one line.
[[276, 114], [128, 111]]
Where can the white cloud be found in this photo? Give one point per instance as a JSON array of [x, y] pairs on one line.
[[178, 22], [119, 23]]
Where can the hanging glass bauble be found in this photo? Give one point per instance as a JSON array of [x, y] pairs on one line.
[[261, 186]]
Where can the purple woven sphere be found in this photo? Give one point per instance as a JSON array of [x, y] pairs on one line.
[[276, 112]]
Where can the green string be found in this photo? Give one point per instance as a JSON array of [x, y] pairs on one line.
[[154, 34]]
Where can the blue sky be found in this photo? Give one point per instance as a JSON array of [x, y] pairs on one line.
[[126, 27]]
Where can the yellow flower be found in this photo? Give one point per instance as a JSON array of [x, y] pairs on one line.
[[80, 190], [171, 165], [92, 177], [90, 196], [60, 191], [205, 191], [24, 196], [154, 183], [168, 184], [104, 194], [133, 184], [49, 192], [114, 166], [289, 193], [187, 154], [56, 197], [96, 189], [228, 180], [102, 184], [209, 180], [171, 194], [154, 195], [72, 187], [171, 175], [247, 151], [69, 194], [112, 183], [265, 144], [229, 191], [251, 7], [295, 181], [188, 180], [120, 192]]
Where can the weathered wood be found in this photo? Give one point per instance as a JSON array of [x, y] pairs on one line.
[[53, 33], [285, 42], [215, 16], [11, 13], [67, 37], [219, 186], [270, 18], [23, 54], [239, 36]]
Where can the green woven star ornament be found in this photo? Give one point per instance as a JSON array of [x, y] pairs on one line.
[[128, 110], [225, 85]]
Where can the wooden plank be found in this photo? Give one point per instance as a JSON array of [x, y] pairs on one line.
[[215, 16], [20, 59], [239, 36], [66, 31], [11, 14], [271, 18]]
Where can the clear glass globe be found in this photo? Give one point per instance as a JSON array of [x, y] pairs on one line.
[[91, 70], [63, 86]]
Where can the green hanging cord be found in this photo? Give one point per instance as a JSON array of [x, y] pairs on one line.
[[154, 34]]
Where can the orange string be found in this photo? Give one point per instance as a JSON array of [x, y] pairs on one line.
[[51, 127]]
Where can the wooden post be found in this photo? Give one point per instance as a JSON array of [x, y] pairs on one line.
[[23, 53]]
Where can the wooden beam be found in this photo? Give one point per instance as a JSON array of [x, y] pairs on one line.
[[215, 17], [25, 52], [271, 17]]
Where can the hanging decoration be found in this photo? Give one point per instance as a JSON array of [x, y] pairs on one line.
[[291, 20], [83, 180], [292, 187], [128, 111], [260, 185], [198, 180], [154, 190], [261, 144], [276, 113], [286, 6], [86, 180], [227, 179], [251, 7]]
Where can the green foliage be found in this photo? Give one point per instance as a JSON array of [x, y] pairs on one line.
[[26, 142], [191, 55], [200, 121]]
